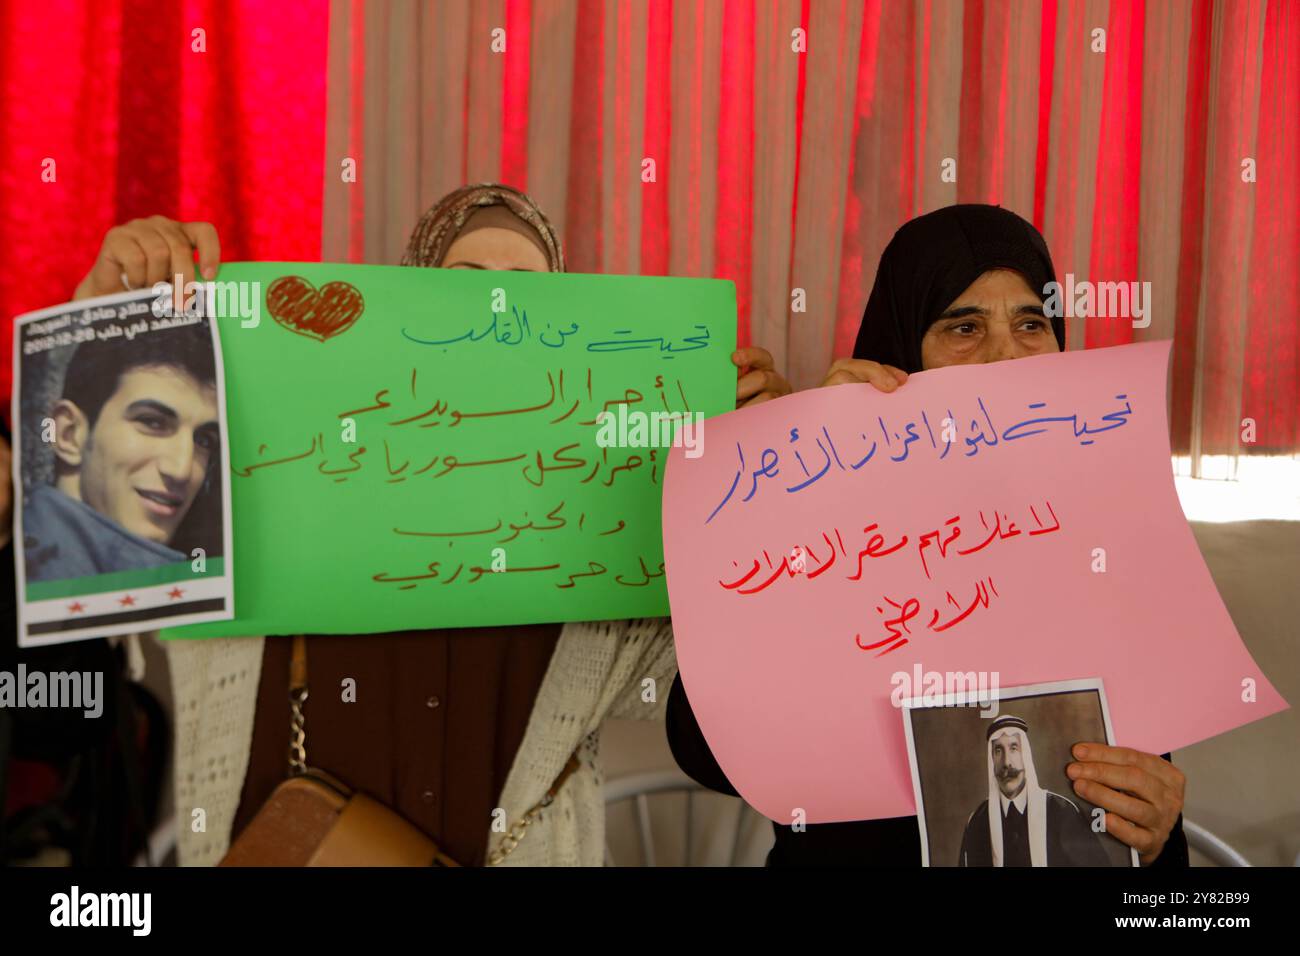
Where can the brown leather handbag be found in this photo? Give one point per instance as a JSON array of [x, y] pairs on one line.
[[314, 819]]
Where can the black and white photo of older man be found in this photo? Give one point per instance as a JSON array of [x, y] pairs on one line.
[[1022, 824]]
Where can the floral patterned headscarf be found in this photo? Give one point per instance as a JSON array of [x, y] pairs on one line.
[[439, 227]]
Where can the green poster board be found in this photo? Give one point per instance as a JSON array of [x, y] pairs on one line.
[[420, 448]]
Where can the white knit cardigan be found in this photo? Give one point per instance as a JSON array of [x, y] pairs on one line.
[[599, 670]]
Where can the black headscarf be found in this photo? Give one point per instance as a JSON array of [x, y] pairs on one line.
[[930, 261]]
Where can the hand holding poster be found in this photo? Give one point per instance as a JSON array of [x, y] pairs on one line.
[[124, 513], [1004, 524], [991, 788], [414, 448]]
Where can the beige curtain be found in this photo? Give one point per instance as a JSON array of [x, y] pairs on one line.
[[790, 170]]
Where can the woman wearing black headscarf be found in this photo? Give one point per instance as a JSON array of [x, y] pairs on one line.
[[957, 287]]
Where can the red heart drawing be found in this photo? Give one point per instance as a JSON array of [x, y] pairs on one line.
[[297, 305]]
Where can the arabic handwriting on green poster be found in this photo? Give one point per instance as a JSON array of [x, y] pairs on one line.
[[421, 448]]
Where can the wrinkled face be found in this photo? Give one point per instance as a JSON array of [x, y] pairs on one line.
[[149, 450], [1008, 763], [998, 317], [494, 247]]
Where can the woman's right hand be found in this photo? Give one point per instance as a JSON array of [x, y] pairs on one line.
[[850, 371], [145, 251]]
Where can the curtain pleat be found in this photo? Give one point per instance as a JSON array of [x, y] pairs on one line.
[[734, 232], [767, 187], [818, 216], [1077, 82], [1270, 393], [1164, 89], [550, 106], [516, 93], [625, 58], [695, 52], [1183, 370], [1230, 202], [656, 237], [1113, 252], [584, 205], [939, 91]]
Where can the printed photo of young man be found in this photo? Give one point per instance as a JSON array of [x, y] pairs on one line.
[[136, 439]]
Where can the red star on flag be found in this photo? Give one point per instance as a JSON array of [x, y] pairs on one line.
[[76, 607], [126, 601], [175, 593]]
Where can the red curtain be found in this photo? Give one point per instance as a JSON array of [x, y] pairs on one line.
[[129, 111]]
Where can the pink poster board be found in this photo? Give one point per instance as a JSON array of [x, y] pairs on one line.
[[1017, 519]]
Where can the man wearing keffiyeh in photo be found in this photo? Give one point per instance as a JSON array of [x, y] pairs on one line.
[[1021, 824]]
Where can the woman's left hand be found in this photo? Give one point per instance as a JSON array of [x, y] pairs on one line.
[[758, 378], [1142, 792]]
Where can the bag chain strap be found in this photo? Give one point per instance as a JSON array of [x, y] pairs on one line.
[[298, 697], [520, 828]]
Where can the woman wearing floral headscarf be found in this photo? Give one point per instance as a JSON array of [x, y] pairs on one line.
[[456, 728]]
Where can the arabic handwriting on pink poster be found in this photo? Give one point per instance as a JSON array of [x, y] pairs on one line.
[[1017, 518]]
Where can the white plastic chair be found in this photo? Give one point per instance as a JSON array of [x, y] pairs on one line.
[[1213, 847], [640, 787]]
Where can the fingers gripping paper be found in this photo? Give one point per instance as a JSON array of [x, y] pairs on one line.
[[1017, 520]]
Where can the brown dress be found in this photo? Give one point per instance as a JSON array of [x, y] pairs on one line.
[[434, 729]]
